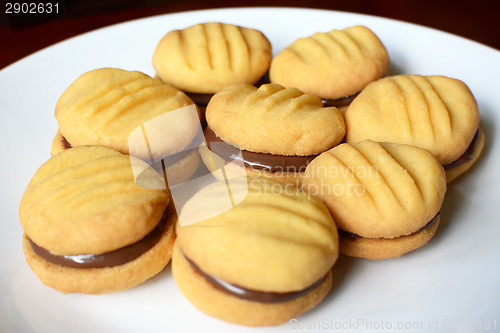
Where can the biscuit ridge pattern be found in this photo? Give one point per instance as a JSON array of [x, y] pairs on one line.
[[110, 101], [432, 112], [367, 182], [282, 230], [336, 45], [78, 190], [431, 102], [206, 57], [221, 44], [104, 106], [274, 119], [384, 166]]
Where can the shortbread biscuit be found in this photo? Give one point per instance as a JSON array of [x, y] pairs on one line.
[[278, 130], [206, 57], [92, 227], [129, 112], [436, 113], [334, 65], [381, 195], [261, 262]]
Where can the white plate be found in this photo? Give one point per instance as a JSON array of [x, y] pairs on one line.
[[452, 284]]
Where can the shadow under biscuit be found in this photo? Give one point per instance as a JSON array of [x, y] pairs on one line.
[[487, 124], [164, 274], [340, 273], [395, 69]]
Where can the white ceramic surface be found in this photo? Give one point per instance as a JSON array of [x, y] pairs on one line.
[[452, 284]]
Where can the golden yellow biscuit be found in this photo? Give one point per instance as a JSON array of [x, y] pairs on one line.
[[122, 109], [384, 248], [378, 190], [273, 131], [218, 304], [103, 280], [274, 239], [331, 65], [84, 209], [274, 119], [205, 57], [436, 113]]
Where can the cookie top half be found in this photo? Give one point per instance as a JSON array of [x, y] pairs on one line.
[[274, 119], [85, 200], [205, 57], [332, 64], [105, 106], [277, 239], [437, 113], [378, 190]]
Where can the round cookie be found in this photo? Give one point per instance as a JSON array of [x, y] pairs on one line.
[[261, 261], [334, 65], [204, 58], [90, 228], [129, 112], [385, 198], [276, 130], [436, 113]]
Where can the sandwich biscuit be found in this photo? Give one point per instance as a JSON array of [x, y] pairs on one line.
[[131, 113], [90, 228], [204, 58], [278, 130], [436, 113], [385, 198], [261, 262], [334, 65]]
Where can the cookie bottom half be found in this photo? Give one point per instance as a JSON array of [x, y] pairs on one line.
[[384, 248], [454, 173], [103, 280], [218, 304]]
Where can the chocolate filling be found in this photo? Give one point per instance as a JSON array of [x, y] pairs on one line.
[[338, 102], [467, 155], [260, 161], [108, 259], [165, 162], [66, 144], [249, 294], [352, 236], [200, 99]]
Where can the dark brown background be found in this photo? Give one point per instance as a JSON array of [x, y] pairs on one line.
[[477, 20]]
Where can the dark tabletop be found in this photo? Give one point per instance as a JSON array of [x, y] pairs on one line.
[[23, 35]]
